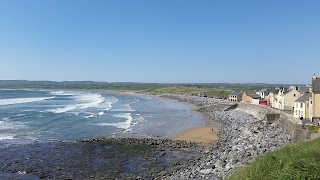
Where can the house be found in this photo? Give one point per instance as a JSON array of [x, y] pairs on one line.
[[271, 96], [264, 93], [302, 107], [310, 106], [284, 98], [235, 96], [261, 93], [315, 97], [304, 90], [250, 98]]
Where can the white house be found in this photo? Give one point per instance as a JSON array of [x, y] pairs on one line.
[[302, 106], [284, 99], [264, 93]]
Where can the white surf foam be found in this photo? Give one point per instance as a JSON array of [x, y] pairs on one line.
[[90, 116], [101, 113], [137, 120], [127, 107], [107, 104], [12, 101], [11, 125], [18, 115], [93, 115], [87, 101], [6, 137], [124, 108], [56, 92], [120, 125], [62, 93]]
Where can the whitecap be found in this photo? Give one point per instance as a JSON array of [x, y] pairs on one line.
[[87, 101], [28, 110], [107, 104], [101, 113], [12, 125], [90, 116], [6, 137], [62, 93], [127, 107], [18, 115], [124, 108], [137, 120], [120, 125], [12, 101], [57, 92]]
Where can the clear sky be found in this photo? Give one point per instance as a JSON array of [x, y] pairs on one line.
[[173, 41]]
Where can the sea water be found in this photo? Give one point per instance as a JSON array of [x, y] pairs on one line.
[[27, 116]]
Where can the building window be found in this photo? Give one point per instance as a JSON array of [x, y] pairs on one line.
[[301, 105], [294, 95]]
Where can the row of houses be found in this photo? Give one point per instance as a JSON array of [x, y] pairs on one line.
[[302, 101]]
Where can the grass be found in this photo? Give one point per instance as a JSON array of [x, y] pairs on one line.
[[216, 92], [295, 161], [313, 129]]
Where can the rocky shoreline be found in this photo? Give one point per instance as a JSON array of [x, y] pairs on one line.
[[242, 138]]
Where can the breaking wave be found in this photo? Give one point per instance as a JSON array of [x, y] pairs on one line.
[[121, 125], [87, 101], [12, 101]]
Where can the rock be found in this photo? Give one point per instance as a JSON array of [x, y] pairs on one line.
[[242, 138], [205, 171]]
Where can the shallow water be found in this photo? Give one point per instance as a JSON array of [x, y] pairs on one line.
[[27, 116]]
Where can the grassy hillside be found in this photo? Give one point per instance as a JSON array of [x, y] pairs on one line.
[[296, 161], [192, 90], [210, 89]]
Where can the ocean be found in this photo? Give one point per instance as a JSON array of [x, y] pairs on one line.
[[27, 116]]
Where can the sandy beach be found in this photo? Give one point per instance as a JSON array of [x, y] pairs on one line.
[[205, 134], [242, 138]]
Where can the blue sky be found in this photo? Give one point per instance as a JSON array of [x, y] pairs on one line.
[[160, 41]]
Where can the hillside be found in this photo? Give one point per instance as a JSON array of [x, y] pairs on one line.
[[295, 161]]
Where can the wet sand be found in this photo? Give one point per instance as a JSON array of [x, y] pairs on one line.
[[205, 134]]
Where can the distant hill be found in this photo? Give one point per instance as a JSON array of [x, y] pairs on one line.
[[23, 84]]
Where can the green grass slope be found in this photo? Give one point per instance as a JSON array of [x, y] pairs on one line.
[[295, 161], [216, 92]]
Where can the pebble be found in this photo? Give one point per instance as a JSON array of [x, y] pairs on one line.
[[243, 137]]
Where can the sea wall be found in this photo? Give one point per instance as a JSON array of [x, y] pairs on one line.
[[287, 121], [244, 135]]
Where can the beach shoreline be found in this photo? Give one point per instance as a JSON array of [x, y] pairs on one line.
[[243, 136], [204, 134], [208, 133]]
